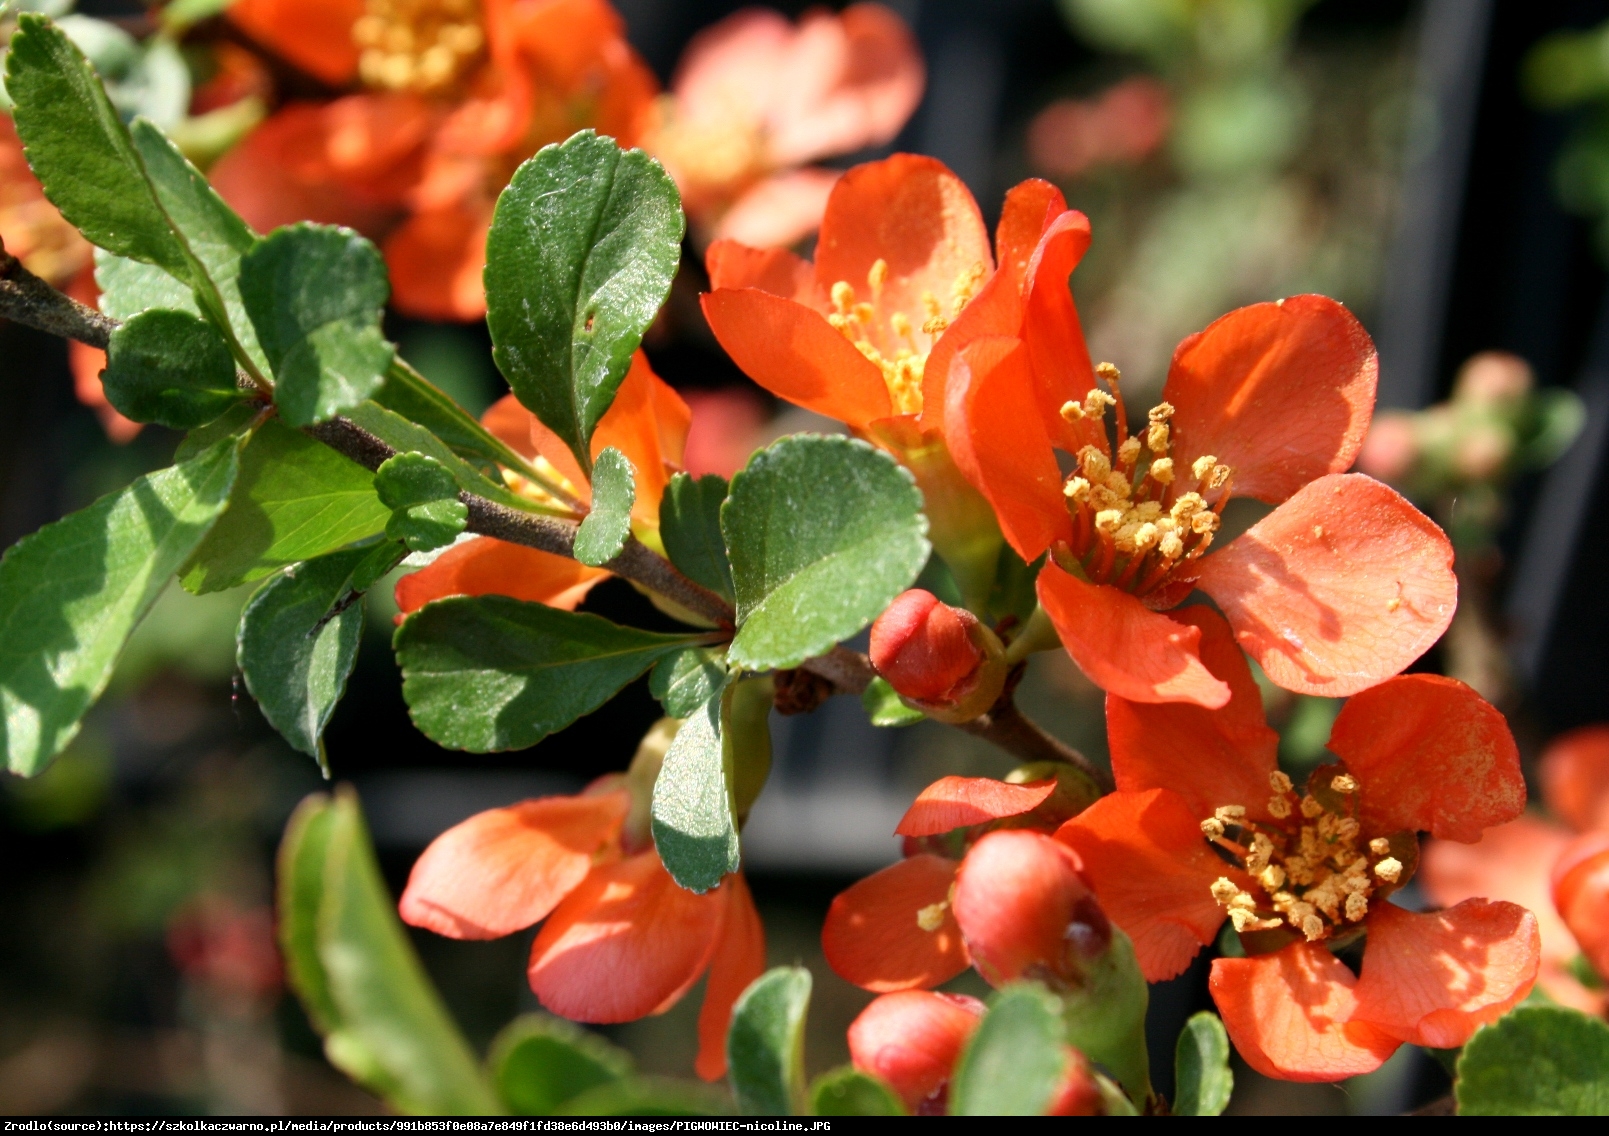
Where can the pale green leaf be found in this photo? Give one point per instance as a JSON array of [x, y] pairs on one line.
[[690, 526], [406, 436], [694, 814], [1016, 1060], [847, 1091], [686, 680], [603, 533], [408, 393], [1202, 1077], [884, 706], [1536, 1061], [538, 1062], [765, 1043], [129, 287]]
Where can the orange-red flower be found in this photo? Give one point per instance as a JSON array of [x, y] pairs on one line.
[[1122, 125], [1308, 873], [755, 98], [1520, 862], [451, 95], [619, 938], [647, 422], [1342, 585]]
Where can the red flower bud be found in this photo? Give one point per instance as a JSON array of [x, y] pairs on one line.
[[912, 1040], [1079, 1094], [1025, 912], [1581, 893], [924, 647]]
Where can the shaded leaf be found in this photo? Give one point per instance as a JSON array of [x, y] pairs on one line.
[[1015, 1061], [538, 1062], [409, 437], [846, 1091], [647, 1096], [423, 498], [686, 680], [129, 287], [170, 368], [765, 1044], [1104, 1017], [603, 533], [416, 398], [1536, 1061], [690, 526], [694, 819], [1202, 1075], [883, 705]]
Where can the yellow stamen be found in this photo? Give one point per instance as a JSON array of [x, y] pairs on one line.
[[1076, 489], [877, 276], [1162, 471], [1389, 869], [931, 917], [1379, 846], [1279, 808], [1072, 411], [1212, 828], [1279, 781], [1344, 783], [1129, 452], [1203, 466], [843, 296]]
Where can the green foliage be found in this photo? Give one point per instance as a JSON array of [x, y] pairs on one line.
[[1537, 1060], [315, 294], [647, 1096], [487, 673], [690, 526], [349, 959], [170, 368], [405, 437], [538, 1062], [1203, 1079], [683, 682], [423, 498], [410, 394], [581, 253], [129, 287], [694, 815], [294, 499], [765, 1044], [846, 1091], [823, 534], [1015, 1061], [746, 738], [884, 706], [1105, 1017], [614, 490], [71, 593]]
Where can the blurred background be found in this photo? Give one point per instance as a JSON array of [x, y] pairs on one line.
[[1441, 167]]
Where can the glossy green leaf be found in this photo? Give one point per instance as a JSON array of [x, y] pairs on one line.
[[683, 682], [170, 368], [538, 1062], [765, 1043], [580, 257], [694, 816], [884, 707], [351, 962], [423, 498], [603, 533], [647, 1096], [71, 593], [1202, 1077], [823, 534], [416, 398], [846, 1091], [129, 287], [315, 294], [487, 673], [405, 436], [1016, 1059], [690, 526], [294, 499], [1536, 1061]]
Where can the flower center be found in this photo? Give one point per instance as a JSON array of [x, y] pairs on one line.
[[1314, 870], [713, 154], [1134, 519], [897, 346], [424, 46]]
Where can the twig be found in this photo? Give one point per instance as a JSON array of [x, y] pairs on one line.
[[31, 301]]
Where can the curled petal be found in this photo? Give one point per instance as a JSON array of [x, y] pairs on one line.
[[1282, 392], [1434, 979], [1055, 338], [1209, 757], [1145, 857], [487, 566], [627, 942], [313, 34], [1031, 207], [738, 960], [1124, 647], [1575, 777], [1432, 756], [505, 869], [876, 934], [912, 1040], [1290, 1015], [957, 802], [1341, 586], [733, 264]]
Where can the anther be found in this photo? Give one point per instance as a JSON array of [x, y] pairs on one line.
[[877, 276], [1230, 814], [1279, 781], [1312, 927], [1108, 520], [1076, 489], [1129, 452], [1201, 468], [843, 296], [1072, 411], [1379, 846], [1220, 476], [1187, 506], [1389, 869], [1156, 438], [1213, 829], [1344, 783], [1171, 546], [1161, 412], [1162, 471], [1310, 807], [1096, 465], [1357, 906], [1278, 807], [1108, 372], [1272, 877], [1224, 890], [1096, 402]]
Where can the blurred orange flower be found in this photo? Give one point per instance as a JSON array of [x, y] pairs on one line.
[[1122, 125]]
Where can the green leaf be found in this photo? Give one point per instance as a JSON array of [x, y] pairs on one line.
[[299, 640], [410, 394], [746, 739], [1104, 1018], [581, 253], [694, 816], [846, 1091], [823, 534], [71, 593], [603, 533], [1536, 1061], [423, 498], [129, 287], [170, 368], [1202, 1077], [538, 1062], [487, 673], [295, 499], [647, 1096], [686, 680], [690, 526], [1016, 1059], [350, 960], [884, 707], [405, 437], [315, 295], [765, 1044]]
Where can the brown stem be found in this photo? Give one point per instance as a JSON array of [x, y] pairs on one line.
[[31, 301]]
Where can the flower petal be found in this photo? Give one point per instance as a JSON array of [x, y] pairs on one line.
[[1575, 777], [779, 211], [1124, 647], [510, 423], [995, 436], [1061, 363], [738, 960], [313, 34], [956, 802], [647, 422], [871, 936], [1434, 979], [1031, 207], [505, 869], [1343, 585], [793, 352], [436, 260], [1290, 1015], [487, 566], [733, 264], [1281, 392], [627, 942], [1209, 757], [1153, 871], [1432, 756], [912, 1040]]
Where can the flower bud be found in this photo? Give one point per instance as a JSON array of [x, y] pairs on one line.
[[938, 657], [912, 1040], [1025, 912], [1581, 893], [1079, 1095]]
